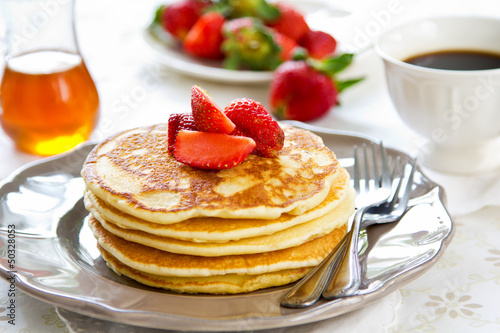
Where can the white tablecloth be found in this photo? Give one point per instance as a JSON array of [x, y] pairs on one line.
[[459, 294]]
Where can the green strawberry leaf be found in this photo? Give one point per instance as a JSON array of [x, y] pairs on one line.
[[252, 47], [252, 8], [342, 85], [220, 7], [158, 15], [299, 53], [279, 112], [232, 62], [267, 11], [332, 65]]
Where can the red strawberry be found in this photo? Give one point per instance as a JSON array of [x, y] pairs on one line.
[[205, 37], [207, 115], [178, 17], [253, 120], [290, 22], [300, 92], [177, 122], [305, 90], [287, 45], [211, 150], [319, 44]]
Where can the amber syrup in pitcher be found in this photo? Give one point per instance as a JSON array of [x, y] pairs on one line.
[[49, 102]]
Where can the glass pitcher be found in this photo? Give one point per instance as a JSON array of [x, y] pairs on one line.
[[48, 100]]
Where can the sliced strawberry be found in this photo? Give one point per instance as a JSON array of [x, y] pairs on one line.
[[319, 44], [254, 121], [211, 151], [207, 115], [177, 122], [205, 37]]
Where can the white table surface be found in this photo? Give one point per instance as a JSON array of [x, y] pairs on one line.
[[459, 294]]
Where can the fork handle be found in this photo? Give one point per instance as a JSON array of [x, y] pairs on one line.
[[308, 290], [346, 278]]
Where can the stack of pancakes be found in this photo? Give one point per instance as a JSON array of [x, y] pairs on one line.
[[264, 223]]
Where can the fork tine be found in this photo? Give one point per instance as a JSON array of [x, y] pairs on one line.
[[403, 200], [366, 167], [376, 175], [371, 171], [395, 195], [396, 166], [386, 176], [356, 176]]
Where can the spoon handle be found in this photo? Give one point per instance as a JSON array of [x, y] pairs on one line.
[[346, 279], [308, 290]]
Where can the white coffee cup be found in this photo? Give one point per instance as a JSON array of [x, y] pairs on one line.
[[456, 111]]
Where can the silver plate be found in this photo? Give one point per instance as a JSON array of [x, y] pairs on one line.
[[56, 258]]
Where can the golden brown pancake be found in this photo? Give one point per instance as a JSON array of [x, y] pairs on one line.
[[283, 239], [158, 262], [217, 284], [214, 229], [133, 172]]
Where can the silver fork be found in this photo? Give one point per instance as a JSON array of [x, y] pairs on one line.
[[371, 185], [346, 278], [376, 188]]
